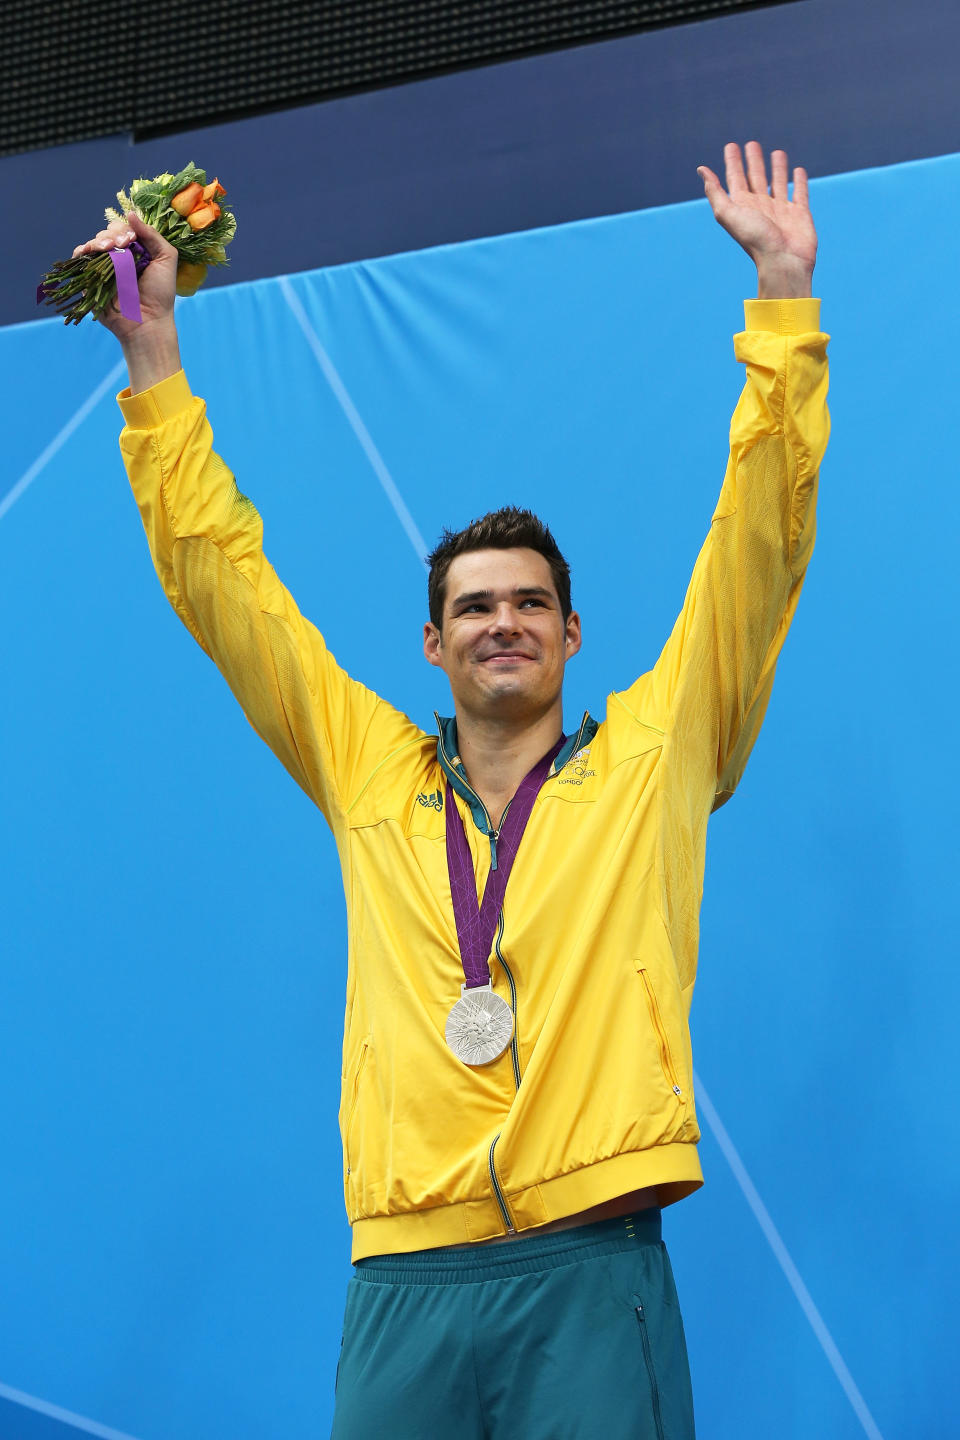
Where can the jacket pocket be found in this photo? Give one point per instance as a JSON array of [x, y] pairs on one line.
[[670, 1072], [348, 1139]]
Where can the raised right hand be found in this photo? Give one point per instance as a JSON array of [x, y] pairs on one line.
[[157, 284], [776, 231]]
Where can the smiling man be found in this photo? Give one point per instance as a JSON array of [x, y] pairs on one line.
[[502, 629], [522, 904]]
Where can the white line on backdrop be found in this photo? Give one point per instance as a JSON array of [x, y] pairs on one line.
[[356, 424], [60, 439], [784, 1260], [67, 1417], [18, 1397]]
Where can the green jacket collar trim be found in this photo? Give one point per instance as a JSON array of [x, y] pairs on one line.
[[448, 753]]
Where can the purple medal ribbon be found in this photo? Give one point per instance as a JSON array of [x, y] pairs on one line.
[[128, 264], [127, 267], [476, 924]]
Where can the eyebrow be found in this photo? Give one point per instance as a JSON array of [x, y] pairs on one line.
[[471, 596]]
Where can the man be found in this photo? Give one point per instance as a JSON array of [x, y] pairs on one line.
[[516, 1103]]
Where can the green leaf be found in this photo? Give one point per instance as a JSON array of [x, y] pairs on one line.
[[187, 176]]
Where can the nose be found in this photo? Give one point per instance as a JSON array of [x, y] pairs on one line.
[[505, 620]]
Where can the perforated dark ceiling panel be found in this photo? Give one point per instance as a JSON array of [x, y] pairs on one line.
[[77, 69]]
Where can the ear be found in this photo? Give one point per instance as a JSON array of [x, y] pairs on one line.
[[573, 634], [432, 644]]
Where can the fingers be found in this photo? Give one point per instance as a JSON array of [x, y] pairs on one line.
[[116, 235], [120, 233], [754, 180], [712, 189], [756, 168], [779, 187], [736, 180], [151, 240]]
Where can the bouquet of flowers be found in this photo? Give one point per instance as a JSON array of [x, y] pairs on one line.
[[184, 209]]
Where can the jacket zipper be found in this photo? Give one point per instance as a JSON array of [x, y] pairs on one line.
[[666, 1059], [514, 1042], [492, 835], [498, 1193], [648, 1357]]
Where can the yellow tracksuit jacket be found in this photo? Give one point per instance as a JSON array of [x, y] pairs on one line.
[[596, 948]]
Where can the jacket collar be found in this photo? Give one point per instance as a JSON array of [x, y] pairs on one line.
[[448, 753]]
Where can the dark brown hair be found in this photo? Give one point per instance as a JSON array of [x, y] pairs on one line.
[[505, 529]]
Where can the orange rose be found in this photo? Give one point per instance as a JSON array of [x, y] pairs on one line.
[[203, 216], [187, 199], [198, 203]]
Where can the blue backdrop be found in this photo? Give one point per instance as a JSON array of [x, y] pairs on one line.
[[173, 1252]]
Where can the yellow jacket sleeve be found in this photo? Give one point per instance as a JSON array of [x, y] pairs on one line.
[[709, 689], [206, 539]]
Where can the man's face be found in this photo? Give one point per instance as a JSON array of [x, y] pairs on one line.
[[504, 643]]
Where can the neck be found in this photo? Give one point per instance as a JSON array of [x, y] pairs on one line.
[[497, 753]]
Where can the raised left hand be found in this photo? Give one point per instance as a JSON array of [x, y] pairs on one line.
[[776, 231]]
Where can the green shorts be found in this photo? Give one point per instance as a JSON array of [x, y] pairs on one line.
[[568, 1336]]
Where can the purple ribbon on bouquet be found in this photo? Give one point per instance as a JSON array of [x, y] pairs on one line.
[[128, 264]]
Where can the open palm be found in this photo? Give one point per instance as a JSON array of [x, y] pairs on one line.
[[773, 228]]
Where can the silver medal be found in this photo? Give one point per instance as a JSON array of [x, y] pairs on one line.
[[480, 1026]]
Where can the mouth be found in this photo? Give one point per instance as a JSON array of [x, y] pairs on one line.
[[506, 657]]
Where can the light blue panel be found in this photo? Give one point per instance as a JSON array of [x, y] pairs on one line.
[[172, 1246]]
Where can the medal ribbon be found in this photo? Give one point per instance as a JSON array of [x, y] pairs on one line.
[[476, 924], [129, 263]]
